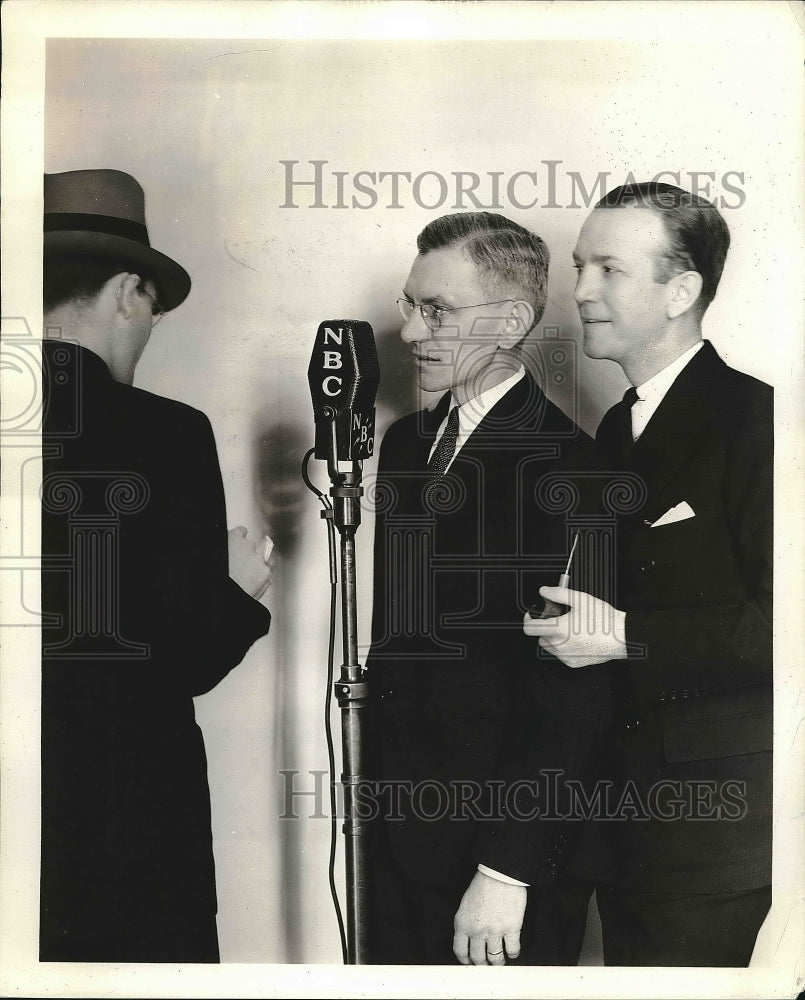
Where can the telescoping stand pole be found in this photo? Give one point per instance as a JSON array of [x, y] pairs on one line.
[[351, 691]]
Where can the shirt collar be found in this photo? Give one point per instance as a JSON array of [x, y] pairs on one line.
[[658, 385], [471, 413]]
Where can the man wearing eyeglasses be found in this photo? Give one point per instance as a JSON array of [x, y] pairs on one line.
[[460, 721], [145, 602]]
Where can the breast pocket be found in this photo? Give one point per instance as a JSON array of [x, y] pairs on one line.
[[679, 539], [688, 561]]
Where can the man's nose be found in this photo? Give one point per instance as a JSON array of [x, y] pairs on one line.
[[585, 289], [414, 329]]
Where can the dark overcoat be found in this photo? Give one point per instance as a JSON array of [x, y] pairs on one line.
[[140, 616]]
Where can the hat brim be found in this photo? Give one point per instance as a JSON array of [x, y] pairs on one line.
[[172, 279]]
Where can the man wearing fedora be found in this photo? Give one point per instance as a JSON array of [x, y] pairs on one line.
[[146, 601]]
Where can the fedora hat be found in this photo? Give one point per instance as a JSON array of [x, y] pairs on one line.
[[102, 213]]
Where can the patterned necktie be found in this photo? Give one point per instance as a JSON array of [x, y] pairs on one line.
[[446, 448]]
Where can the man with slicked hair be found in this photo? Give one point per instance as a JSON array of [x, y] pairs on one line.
[[682, 878], [459, 719]]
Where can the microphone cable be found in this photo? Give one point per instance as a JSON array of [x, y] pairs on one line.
[[327, 515]]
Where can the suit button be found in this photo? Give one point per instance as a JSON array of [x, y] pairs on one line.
[[386, 693], [632, 724], [697, 693], [662, 696]]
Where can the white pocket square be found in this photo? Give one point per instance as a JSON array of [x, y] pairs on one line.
[[681, 512]]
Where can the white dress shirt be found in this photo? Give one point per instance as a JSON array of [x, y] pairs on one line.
[[471, 413], [651, 393]]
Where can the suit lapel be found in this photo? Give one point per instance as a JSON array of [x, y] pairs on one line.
[[519, 412], [680, 425], [420, 442], [615, 435], [432, 418]]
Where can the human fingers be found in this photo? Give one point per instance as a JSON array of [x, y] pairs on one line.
[[511, 942], [461, 947], [542, 626], [495, 954], [478, 949]]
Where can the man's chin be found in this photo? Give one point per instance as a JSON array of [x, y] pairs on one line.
[[431, 382], [593, 348]]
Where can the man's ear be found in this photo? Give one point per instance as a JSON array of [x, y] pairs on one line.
[[125, 287], [516, 325], [683, 292]]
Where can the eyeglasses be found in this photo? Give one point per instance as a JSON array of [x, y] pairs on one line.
[[157, 312], [432, 315]]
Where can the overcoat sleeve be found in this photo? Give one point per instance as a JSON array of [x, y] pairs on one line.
[[205, 621]]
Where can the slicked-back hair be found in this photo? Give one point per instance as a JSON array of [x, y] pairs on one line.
[[80, 277], [698, 236], [509, 258]]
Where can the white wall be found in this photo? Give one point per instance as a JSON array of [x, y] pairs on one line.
[[203, 125]]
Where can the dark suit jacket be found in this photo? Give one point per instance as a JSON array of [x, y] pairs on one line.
[[458, 698], [694, 706], [140, 616]]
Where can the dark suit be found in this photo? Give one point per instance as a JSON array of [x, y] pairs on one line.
[[693, 703], [140, 616], [458, 699]]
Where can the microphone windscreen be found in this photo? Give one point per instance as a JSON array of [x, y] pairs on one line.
[[344, 375]]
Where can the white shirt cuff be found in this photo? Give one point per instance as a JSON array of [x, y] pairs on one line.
[[500, 876]]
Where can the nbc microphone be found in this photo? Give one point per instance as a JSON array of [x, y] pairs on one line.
[[344, 375]]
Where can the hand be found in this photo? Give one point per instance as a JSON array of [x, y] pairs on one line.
[[488, 921], [591, 632], [249, 566]]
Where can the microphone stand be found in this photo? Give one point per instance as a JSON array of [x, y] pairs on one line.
[[351, 691]]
